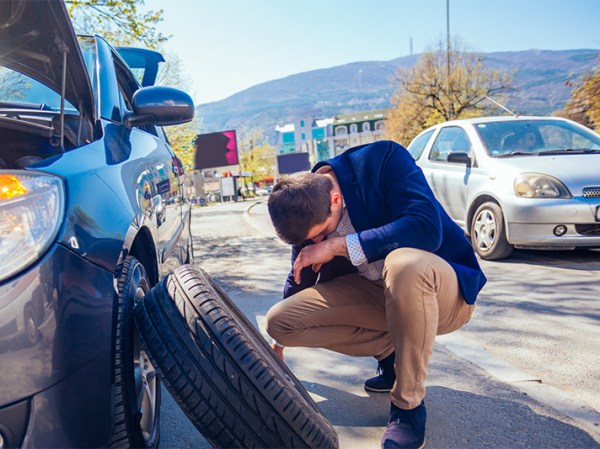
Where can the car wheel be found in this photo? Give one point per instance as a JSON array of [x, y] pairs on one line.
[[488, 233], [137, 387], [222, 372]]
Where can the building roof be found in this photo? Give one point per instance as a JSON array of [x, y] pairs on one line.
[[287, 128], [360, 116], [323, 122]]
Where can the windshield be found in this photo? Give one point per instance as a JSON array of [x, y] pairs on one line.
[[19, 90], [535, 137]]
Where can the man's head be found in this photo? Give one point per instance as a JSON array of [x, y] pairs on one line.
[[305, 206], [528, 140]]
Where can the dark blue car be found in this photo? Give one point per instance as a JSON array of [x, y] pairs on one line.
[[93, 213]]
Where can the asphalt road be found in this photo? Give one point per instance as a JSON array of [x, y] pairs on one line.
[[525, 372]]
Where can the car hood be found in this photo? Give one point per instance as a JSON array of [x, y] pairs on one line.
[[575, 170], [33, 37]]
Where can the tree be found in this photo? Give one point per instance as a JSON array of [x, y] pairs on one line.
[[121, 22], [256, 155], [584, 105], [181, 137], [441, 86]]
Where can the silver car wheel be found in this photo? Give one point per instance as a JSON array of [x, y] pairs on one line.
[[145, 383], [485, 230], [488, 234]]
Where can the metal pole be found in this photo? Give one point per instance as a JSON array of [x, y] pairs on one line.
[[448, 53]]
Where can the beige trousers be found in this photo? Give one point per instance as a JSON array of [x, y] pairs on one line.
[[417, 299]]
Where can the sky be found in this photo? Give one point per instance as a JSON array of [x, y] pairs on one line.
[[227, 46]]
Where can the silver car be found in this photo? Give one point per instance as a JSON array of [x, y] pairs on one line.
[[524, 182]]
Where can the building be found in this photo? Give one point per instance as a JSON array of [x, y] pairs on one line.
[[357, 128], [327, 137], [306, 135]]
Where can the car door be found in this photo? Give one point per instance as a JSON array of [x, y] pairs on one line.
[[162, 184], [449, 179]]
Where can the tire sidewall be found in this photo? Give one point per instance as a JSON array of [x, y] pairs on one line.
[[133, 277], [500, 247]]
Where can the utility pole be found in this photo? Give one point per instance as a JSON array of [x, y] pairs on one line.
[[450, 112]]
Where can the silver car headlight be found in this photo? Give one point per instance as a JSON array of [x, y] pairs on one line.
[[536, 185], [31, 211]]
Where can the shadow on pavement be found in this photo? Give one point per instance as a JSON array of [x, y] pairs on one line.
[[459, 419]]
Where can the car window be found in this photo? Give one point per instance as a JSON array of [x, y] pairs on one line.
[[20, 89], [127, 87], [449, 140], [520, 136], [418, 144]]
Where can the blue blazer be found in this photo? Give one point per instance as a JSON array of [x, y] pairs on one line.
[[391, 205]]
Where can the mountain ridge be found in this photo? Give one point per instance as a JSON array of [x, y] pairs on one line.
[[539, 88]]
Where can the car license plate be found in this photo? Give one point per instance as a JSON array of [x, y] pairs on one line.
[[597, 213]]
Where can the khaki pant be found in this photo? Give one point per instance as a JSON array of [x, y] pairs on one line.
[[418, 299]]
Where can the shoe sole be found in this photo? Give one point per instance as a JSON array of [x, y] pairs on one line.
[[374, 390]]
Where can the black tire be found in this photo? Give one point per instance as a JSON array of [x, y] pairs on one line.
[[488, 232], [222, 372], [137, 387]]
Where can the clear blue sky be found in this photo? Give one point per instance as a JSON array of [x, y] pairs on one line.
[[229, 45]]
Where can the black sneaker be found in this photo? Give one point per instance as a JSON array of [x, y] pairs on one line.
[[384, 381], [406, 428]]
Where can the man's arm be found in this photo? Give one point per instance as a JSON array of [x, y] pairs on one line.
[[316, 255]]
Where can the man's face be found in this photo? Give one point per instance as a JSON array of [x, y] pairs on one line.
[[319, 232], [528, 141]]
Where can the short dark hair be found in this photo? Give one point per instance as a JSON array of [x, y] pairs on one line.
[[297, 203]]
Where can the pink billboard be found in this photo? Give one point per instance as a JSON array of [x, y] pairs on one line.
[[216, 149]]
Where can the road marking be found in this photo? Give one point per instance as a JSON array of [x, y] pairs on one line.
[[585, 415]]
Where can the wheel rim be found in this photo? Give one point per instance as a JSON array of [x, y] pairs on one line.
[[485, 230], [145, 383]]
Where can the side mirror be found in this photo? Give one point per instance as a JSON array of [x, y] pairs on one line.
[[160, 105], [459, 157]]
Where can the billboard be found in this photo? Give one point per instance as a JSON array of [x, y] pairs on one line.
[[292, 163], [216, 150]]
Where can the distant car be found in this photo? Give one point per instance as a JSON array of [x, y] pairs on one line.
[[262, 192], [84, 171], [524, 182]]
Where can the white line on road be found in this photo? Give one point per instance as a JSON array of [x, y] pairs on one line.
[[561, 401]]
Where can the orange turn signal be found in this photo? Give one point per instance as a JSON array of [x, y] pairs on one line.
[[10, 187]]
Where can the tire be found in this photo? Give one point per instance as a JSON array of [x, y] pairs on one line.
[[488, 232], [222, 372], [137, 387]]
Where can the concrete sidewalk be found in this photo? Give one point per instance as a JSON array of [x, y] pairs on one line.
[[469, 406]]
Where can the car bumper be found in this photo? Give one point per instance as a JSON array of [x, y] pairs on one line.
[[59, 376], [532, 222]]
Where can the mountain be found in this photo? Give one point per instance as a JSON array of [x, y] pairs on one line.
[[539, 87]]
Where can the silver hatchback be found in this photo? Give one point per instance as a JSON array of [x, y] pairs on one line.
[[524, 182]]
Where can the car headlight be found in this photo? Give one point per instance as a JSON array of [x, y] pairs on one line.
[[536, 185], [31, 211]]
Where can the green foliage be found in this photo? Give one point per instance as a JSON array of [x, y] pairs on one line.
[[121, 22], [182, 140], [441, 86], [256, 155]]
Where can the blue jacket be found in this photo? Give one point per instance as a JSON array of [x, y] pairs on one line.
[[391, 205]]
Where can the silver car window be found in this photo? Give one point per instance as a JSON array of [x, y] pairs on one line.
[[452, 139], [417, 146]]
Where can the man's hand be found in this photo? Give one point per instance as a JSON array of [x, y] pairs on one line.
[[318, 254], [279, 351]]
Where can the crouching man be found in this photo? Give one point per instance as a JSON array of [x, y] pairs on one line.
[[378, 269]]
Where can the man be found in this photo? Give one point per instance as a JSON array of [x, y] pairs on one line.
[[378, 269]]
